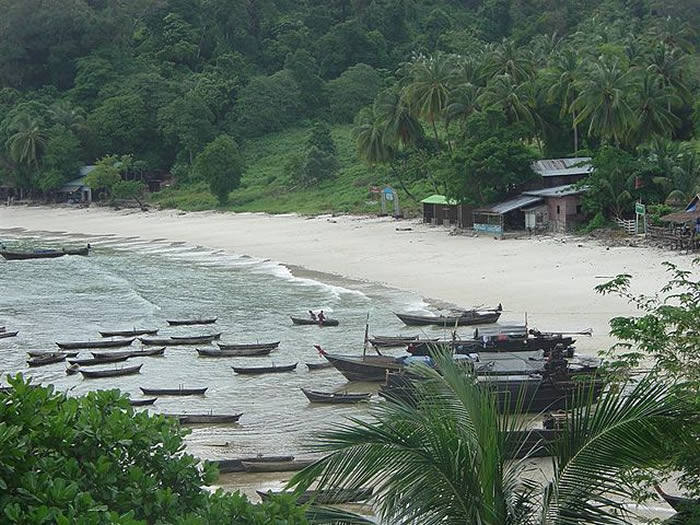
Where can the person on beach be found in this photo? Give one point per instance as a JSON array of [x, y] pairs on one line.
[[321, 317], [313, 315]]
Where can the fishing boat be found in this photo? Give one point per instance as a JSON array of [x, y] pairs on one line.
[[2, 328], [72, 369], [678, 503], [323, 497], [180, 341], [119, 343], [44, 353], [248, 346], [142, 402], [130, 333], [42, 254], [370, 368], [464, 318], [202, 338], [276, 466], [92, 361], [95, 374], [379, 341], [211, 352], [4, 335], [305, 321], [264, 369], [201, 419], [130, 353], [173, 391], [318, 366], [189, 322], [236, 465], [46, 360], [315, 396]]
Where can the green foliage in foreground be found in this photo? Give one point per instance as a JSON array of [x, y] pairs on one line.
[[93, 460]]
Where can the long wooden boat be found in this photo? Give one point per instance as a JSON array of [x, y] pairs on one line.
[[200, 419], [315, 396], [323, 497], [388, 342], [48, 360], [471, 317], [678, 503], [95, 374], [72, 369], [202, 338], [276, 466], [495, 343], [98, 361], [4, 335], [248, 346], [142, 402], [189, 322], [170, 341], [173, 391], [42, 254], [211, 352], [371, 368], [318, 366], [236, 465], [129, 333], [264, 369], [305, 321], [118, 343], [45, 353], [130, 353]]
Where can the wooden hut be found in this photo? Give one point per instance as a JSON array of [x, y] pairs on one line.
[[682, 228], [438, 210]]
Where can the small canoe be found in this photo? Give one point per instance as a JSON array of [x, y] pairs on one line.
[[203, 419], [188, 322], [211, 352], [44, 353], [3, 335], [173, 391], [129, 333], [95, 374], [206, 337], [95, 344], [95, 361], [323, 497], [248, 346], [72, 369], [236, 465], [264, 369], [335, 398], [148, 341], [276, 466], [142, 402], [42, 254], [130, 353], [306, 321], [397, 342], [48, 360], [318, 366]]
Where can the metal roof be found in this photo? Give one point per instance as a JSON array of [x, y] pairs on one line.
[[70, 187], [502, 208], [438, 199], [84, 170], [558, 167], [558, 191]]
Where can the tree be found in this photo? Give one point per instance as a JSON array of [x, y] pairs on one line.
[[319, 159], [304, 70], [107, 173], [121, 124], [268, 104], [445, 457], [508, 59], [515, 99], [611, 183], [61, 159], [28, 141], [187, 123], [566, 71], [651, 109], [220, 165], [353, 90]]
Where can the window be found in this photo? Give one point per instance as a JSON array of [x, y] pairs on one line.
[[579, 209], [558, 210]]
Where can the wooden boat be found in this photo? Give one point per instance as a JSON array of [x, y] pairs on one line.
[[44, 353], [323, 497], [130, 353], [318, 366], [337, 398], [42, 254], [202, 419], [211, 352], [276, 466], [170, 341], [72, 369], [495, 342], [130, 333], [188, 322], [173, 391], [142, 402], [2, 328], [264, 369], [469, 317], [388, 342], [236, 465], [98, 361], [47, 360], [371, 368], [95, 374], [678, 503], [305, 321], [119, 343], [248, 346], [4, 335], [202, 338]]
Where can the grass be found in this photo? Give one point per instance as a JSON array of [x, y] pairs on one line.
[[266, 187]]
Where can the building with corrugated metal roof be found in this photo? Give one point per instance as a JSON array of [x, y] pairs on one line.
[[560, 172]]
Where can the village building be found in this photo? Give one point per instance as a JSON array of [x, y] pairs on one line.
[[681, 229], [76, 190], [438, 210]]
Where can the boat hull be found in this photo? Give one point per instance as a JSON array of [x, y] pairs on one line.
[[129, 333], [130, 354], [207, 352], [333, 398], [372, 369], [97, 374], [323, 497], [236, 465], [78, 345], [4, 335], [173, 391], [98, 361], [448, 321], [248, 346], [276, 466], [309, 322], [142, 402], [264, 369], [189, 341], [205, 419], [41, 361], [190, 322]]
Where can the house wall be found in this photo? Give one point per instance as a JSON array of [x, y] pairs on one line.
[[563, 212]]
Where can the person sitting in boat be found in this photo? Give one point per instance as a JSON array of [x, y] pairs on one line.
[[313, 315], [321, 317], [556, 366]]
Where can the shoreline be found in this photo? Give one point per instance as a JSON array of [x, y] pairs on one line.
[[547, 280]]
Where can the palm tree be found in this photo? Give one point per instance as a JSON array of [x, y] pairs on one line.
[[671, 64], [603, 101], [28, 141], [515, 98], [445, 458], [507, 59], [545, 47], [652, 108], [67, 115], [401, 128], [463, 103], [563, 87]]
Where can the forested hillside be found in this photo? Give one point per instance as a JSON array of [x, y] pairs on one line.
[[283, 105]]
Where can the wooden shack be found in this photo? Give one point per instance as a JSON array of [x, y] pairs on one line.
[[438, 210], [682, 228]]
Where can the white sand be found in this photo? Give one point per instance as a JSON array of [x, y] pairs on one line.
[[552, 279]]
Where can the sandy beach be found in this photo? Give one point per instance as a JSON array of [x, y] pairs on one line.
[[551, 279]]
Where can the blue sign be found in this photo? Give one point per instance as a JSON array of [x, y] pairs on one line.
[[488, 228], [388, 194]]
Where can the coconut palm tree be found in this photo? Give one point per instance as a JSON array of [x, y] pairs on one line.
[[603, 101], [671, 64], [67, 115], [28, 141], [401, 128], [566, 71], [652, 108], [463, 103], [446, 458], [545, 47], [506, 58], [515, 98]]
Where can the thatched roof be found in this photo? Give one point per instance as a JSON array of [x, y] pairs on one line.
[[681, 217]]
